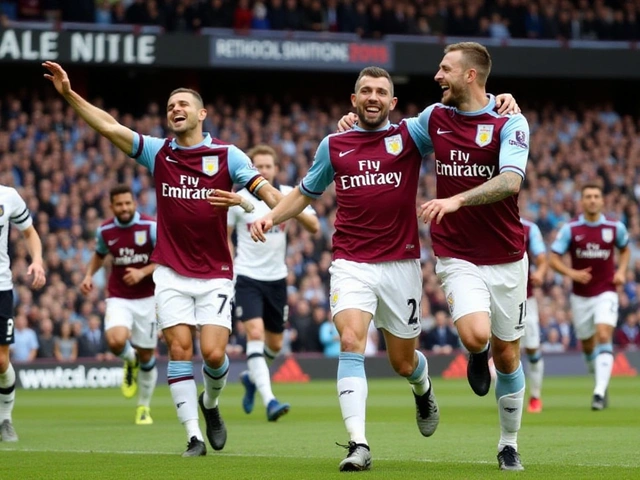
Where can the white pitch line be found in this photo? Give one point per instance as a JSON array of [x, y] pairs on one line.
[[305, 457]]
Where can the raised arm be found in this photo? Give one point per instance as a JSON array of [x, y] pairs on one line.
[[99, 120]]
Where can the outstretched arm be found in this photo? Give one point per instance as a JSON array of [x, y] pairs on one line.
[[99, 120]]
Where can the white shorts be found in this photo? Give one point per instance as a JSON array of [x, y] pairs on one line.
[[137, 315], [390, 291], [589, 311], [531, 338], [192, 301], [499, 290]]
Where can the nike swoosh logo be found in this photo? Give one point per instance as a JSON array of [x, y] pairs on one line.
[[442, 132], [169, 159], [178, 405], [113, 242], [342, 154], [579, 237]]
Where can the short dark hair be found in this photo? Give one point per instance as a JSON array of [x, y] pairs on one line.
[[374, 72], [195, 94], [586, 186], [476, 56], [263, 149], [119, 190]]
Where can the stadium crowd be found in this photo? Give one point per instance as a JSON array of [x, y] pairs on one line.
[[64, 171], [501, 19]]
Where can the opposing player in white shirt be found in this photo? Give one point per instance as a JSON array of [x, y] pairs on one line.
[[14, 211], [261, 288]]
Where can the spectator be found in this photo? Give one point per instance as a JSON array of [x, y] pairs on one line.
[[628, 335], [441, 338], [25, 346], [92, 343], [65, 346], [329, 337], [46, 340]]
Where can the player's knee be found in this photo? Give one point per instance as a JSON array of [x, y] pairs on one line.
[[144, 355], [214, 357], [178, 352], [474, 341], [351, 342], [116, 345], [403, 368]]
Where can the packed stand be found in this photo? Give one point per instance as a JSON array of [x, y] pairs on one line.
[[501, 19], [64, 170]]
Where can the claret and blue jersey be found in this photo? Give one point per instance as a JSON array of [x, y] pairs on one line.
[[192, 235]]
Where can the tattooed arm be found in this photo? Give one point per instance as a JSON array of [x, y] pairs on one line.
[[494, 190]]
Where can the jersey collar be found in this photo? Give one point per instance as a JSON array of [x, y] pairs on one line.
[[386, 126], [135, 219], [600, 220], [206, 142], [488, 108]]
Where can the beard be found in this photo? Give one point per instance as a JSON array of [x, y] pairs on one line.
[[125, 217], [371, 123], [454, 97]]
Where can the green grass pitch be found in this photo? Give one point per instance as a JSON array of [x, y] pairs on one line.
[[90, 434]]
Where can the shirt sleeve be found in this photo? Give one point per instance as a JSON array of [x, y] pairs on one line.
[[243, 172], [145, 149], [153, 230], [101, 245], [536, 243], [563, 240], [622, 235], [514, 145], [20, 215], [321, 173], [419, 130]]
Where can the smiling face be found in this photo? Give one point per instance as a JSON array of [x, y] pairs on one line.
[[453, 77], [184, 112], [123, 207], [373, 101]]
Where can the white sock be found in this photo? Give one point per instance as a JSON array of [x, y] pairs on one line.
[[147, 378], [259, 371], [352, 395], [604, 367], [510, 395], [214, 381], [185, 396], [535, 373], [510, 408], [7, 392], [128, 353]]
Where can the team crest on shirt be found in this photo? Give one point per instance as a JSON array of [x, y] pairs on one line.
[[450, 302], [140, 238], [393, 144], [484, 135], [210, 165], [1, 210], [607, 235], [335, 295]]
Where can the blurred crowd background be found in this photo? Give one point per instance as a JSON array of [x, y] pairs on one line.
[[502, 19], [64, 170]]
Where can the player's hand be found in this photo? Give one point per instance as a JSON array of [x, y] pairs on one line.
[[224, 199], [133, 276], [260, 227], [438, 208], [506, 104], [619, 278], [37, 270], [87, 285], [58, 77], [582, 276], [347, 122], [537, 279]]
